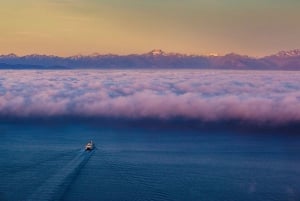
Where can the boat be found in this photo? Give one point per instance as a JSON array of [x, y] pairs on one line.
[[89, 146]]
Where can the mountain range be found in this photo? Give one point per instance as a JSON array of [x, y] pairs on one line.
[[155, 59]]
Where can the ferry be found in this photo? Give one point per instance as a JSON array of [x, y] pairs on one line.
[[89, 146]]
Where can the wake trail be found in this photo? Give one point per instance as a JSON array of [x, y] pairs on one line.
[[54, 188]]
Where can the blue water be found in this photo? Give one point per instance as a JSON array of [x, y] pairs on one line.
[[46, 161]]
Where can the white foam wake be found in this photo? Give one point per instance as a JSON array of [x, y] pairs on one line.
[[54, 188]]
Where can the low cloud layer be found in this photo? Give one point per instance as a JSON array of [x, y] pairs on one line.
[[254, 96]]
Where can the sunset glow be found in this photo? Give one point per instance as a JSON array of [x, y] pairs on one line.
[[69, 27]]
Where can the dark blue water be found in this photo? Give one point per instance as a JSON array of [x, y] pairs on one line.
[[46, 161]]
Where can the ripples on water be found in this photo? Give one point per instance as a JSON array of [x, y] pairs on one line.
[[46, 162], [54, 187]]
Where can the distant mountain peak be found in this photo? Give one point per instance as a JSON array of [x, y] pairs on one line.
[[78, 56], [290, 53], [156, 52], [284, 60], [235, 55], [213, 54], [11, 55]]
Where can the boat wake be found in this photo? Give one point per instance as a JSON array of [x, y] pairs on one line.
[[54, 188]]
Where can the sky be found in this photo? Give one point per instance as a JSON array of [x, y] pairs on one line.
[[70, 27]]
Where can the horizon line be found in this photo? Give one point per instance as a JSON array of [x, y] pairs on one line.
[[161, 52]]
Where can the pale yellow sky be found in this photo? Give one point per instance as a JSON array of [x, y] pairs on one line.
[[69, 27]]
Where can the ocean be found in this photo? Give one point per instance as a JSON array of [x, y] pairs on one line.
[[47, 161], [163, 135]]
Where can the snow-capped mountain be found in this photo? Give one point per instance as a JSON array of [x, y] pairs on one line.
[[290, 53], [289, 60], [155, 59], [157, 52]]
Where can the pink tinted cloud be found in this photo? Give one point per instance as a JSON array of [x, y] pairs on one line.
[[258, 96]]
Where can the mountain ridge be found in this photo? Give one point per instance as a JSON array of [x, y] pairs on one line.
[[156, 59]]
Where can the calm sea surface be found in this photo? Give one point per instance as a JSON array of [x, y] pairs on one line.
[[46, 161]]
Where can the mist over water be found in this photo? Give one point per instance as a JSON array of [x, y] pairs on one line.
[[271, 97]]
